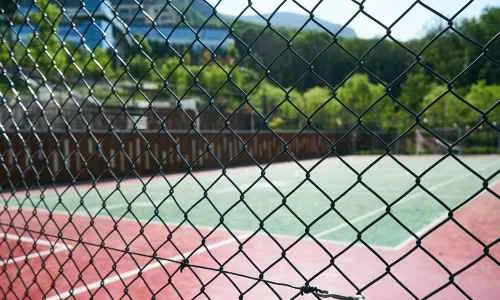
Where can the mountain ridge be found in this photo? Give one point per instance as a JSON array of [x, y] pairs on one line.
[[295, 21], [196, 13]]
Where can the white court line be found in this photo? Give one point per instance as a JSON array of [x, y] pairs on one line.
[[41, 254], [406, 199], [149, 204], [148, 267], [85, 215], [285, 236], [259, 185], [95, 209], [55, 248], [26, 239], [435, 222], [341, 226]]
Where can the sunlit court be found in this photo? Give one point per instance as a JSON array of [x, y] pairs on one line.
[[288, 208]]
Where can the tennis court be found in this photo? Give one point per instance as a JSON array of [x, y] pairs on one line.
[[231, 149], [342, 222]]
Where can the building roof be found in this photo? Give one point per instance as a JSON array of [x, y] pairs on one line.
[[210, 37]]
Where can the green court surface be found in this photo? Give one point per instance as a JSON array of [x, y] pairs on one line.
[[297, 201]]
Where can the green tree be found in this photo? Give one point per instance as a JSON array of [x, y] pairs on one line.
[[485, 98], [393, 116], [445, 110], [266, 97], [4, 52], [176, 74], [145, 46], [232, 54], [482, 29], [319, 104], [7, 9], [275, 103], [94, 66], [182, 80], [45, 47], [358, 93], [213, 78], [289, 109], [414, 89], [140, 67], [245, 78], [448, 55]]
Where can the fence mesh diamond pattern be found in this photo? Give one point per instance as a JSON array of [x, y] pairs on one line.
[[163, 149]]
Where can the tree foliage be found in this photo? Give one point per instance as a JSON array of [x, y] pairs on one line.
[[360, 96], [444, 109], [487, 99], [45, 48], [335, 58], [312, 85]]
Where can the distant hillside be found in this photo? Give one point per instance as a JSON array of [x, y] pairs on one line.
[[293, 20], [197, 12]]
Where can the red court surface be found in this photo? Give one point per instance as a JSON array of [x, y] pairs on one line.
[[14, 249], [106, 260], [10, 248]]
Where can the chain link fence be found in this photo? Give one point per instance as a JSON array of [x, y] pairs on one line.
[[103, 99]]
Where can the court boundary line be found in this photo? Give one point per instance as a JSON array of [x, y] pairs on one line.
[[55, 247], [406, 199], [184, 226], [146, 178], [26, 258], [440, 219], [151, 265], [363, 217], [285, 236], [259, 185], [150, 204], [154, 264]]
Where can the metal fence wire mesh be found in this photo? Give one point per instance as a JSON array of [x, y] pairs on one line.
[[336, 165]]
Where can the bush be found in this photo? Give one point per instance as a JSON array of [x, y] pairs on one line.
[[370, 151], [481, 150]]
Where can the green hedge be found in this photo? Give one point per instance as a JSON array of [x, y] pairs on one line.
[[481, 150]]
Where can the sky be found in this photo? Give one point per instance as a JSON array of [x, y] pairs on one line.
[[411, 26]]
